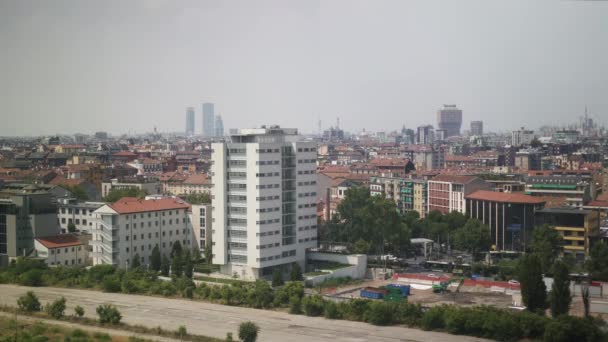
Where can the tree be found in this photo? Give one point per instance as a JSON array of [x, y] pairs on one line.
[[182, 331], [559, 297], [71, 227], [474, 237], [155, 259], [597, 264], [164, 266], [108, 314], [202, 198], [277, 278], [29, 302], [188, 266], [177, 265], [136, 262], [296, 272], [533, 290], [229, 337], [176, 249], [361, 247], [208, 254], [546, 243], [56, 309], [77, 191], [115, 194], [79, 311], [248, 332]]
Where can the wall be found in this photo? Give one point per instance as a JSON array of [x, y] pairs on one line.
[[357, 269]]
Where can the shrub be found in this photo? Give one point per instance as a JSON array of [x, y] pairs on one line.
[[354, 310], [108, 314], [330, 310], [313, 305], [296, 273], [31, 278], [248, 331], [409, 314], [568, 328], [284, 294], [380, 313], [277, 278], [57, 308], [111, 284], [295, 305], [29, 302], [79, 311], [434, 319]]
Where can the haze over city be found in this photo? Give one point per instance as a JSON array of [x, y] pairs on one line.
[[128, 66]]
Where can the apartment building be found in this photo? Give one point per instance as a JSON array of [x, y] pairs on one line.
[[264, 201], [420, 197], [446, 193], [70, 210], [62, 250], [201, 225], [150, 185], [133, 227]]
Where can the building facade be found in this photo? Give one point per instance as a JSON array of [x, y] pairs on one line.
[[80, 213], [264, 201], [208, 120], [201, 225], [449, 118], [576, 226], [190, 121], [150, 185], [132, 227], [477, 128], [522, 137], [62, 250], [447, 193]]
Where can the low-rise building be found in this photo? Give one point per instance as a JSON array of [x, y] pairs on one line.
[[61, 250], [150, 185], [71, 210], [446, 193], [132, 227], [201, 225], [576, 226]]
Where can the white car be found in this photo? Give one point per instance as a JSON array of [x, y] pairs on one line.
[[431, 275], [513, 282]]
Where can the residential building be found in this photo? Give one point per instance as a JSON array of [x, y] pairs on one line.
[[576, 189], [576, 226], [70, 210], [190, 121], [182, 184], [26, 212], [449, 118], [150, 185], [264, 201], [420, 197], [400, 190], [510, 217], [201, 225], [446, 193], [62, 250], [425, 135], [477, 128], [528, 160], [132, 227], [208, 120], [522, 137]]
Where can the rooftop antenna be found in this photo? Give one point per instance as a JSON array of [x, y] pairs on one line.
[[338, 122], [319, 123]]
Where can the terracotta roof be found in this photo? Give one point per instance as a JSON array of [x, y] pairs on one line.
[[504, 197], [124, 154], [197, 179], [603, 204], [453, 178], [129, 205], [58, 241], [61, 180]]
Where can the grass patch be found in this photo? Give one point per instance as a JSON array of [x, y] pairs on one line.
[[221, 280], [206, 268]]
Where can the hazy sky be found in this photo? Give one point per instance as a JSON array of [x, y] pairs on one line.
[[126, 65]]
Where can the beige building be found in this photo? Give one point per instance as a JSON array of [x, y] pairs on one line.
[[201, 225], [420, 194], [62, 250], [192, 184]]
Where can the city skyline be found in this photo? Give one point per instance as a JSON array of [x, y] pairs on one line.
[[291, 63]]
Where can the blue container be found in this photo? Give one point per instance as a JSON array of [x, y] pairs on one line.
[[371, 295], [405, 289]]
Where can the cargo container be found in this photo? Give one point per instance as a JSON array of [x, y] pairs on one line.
[[404, 289], [373, 293]]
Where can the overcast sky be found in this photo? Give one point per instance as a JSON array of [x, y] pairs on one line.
[[126, 65]]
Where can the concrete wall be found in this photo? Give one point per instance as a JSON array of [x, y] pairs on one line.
[[357, 270]]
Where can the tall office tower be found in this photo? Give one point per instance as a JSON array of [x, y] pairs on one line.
[[219, 126], [264, 201], [425, 135], [449, 117], [190, 121], [477, 128], [208, 120]]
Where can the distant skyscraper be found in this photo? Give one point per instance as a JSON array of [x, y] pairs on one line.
[[190, 121], [425, 135], [449, 117], [208, 120], [477, 128], [219, 126]]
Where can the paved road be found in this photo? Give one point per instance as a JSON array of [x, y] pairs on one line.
[[216, 320]]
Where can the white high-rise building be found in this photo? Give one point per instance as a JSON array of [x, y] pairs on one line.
[[264, 201], [522, 137]]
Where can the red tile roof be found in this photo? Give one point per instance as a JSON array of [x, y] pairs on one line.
[[197, 179], [58, 241], [124, 154], [504, 197], [596, 203], [453, 179], [130, 205]]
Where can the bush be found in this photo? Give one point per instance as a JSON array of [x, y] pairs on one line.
[[354, 310], [330, 310], [568, 328], [380, 313], [313, 305], [248, 331], [79, 311], [28, 302], [108, 314], [277, 278], [295, 305], [296, 273], [31, 278], [434, 319], [111, 284], [283, 295], [409, 314], [56, 309]]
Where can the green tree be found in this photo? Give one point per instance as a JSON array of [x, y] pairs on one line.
[[474, 238], [361, 247], [177, 266], [208, 254], [56, 309], [164, 266], [77, 191], [71, 227], [546, 243], [29, 302], [176, 249], [533, 289], [597, 264], [277, 278], [202, 198], [155, 259], [108, 314], [136, 262], [313, 305], [79, 311], [559, 297], [115, 194], [248, 332], [188, 266], [296, 272]]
